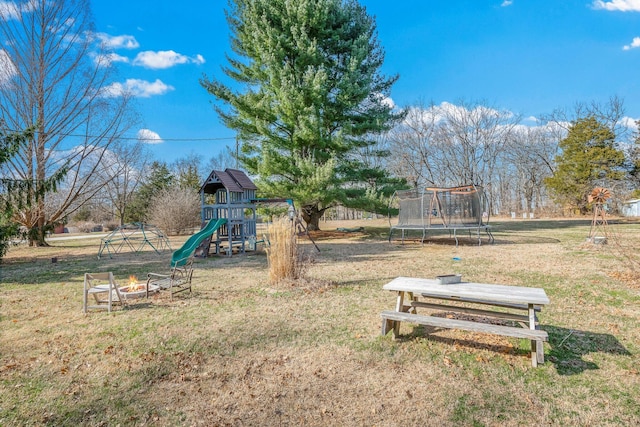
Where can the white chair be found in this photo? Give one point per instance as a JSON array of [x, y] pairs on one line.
[[104, 290]]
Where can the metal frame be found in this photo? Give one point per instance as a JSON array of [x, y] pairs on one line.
[[135, 236]]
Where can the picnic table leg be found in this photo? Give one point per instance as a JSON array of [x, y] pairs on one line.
[[400, 309], [387, 325], [411, 309], [537, 349]]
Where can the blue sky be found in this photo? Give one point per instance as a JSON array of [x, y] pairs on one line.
[[526, 56]]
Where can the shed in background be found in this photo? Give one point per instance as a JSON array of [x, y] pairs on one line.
[[631, 207]]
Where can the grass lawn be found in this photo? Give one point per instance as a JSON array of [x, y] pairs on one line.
[[241, 352]]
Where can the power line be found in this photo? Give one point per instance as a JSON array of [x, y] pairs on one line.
[[125, 138], [167, 139]]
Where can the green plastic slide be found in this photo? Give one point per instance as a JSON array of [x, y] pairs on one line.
[[182, 255]]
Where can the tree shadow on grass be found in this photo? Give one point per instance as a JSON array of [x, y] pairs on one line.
[[445, 238], [568, 346], [515, 239], [499, 240], [533, 225]]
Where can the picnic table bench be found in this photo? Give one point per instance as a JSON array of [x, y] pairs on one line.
[[469, 298]]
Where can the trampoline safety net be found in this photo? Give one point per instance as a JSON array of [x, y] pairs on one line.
[[464, 207], [444, 207]]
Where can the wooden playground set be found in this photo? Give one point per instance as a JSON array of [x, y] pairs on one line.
[[228, 196], [229, 225]]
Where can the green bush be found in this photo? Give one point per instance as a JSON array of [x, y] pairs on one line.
[[8, 230]]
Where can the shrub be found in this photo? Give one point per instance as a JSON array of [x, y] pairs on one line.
[[110, 225], [85, 226], [83, 215], [8, 230], [175, 210]]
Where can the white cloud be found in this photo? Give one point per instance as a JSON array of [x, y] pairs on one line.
[[138, 88], [107, 59], [630, 123], [634, 43], [117, 42], [388, 102], [385, 100], [618, 5], [448, 109], [12, 10], [114, 57], [149, 137], [436, 113], [7, 69], [506, 3], [164, 59], [9, 10]]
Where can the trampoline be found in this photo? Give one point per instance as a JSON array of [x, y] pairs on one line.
[[434, 208]]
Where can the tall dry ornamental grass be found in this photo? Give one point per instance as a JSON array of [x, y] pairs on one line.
[[283, 254]]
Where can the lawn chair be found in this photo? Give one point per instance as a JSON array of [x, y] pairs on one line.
[[104, 290], [179, 279]]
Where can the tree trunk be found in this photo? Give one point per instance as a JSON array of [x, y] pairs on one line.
[[311, 215], [39, 201], [37, 234], [41, 225]]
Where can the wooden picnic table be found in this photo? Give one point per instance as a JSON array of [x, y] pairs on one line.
[[516, 303]]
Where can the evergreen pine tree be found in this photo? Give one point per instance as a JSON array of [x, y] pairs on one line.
[[159, 179], [310, 96], [589, 158]]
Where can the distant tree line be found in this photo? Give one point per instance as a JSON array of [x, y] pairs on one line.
[[550, 165]]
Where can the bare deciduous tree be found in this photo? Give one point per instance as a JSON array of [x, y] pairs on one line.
[[472, 138], [413, 147], [611, 113], [175, 209], [450, 145], [54, 77], [224, 159], [126, 166], [529, 158], [188, 172]]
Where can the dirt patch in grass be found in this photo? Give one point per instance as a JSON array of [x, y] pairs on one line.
[[238, 351]]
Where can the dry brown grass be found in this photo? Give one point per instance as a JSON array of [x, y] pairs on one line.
[[240, 351]]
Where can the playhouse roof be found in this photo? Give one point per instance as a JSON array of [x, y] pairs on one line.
[[233, 180], [241, 179]]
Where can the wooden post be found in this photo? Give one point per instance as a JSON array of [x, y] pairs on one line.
[[399, 309]]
